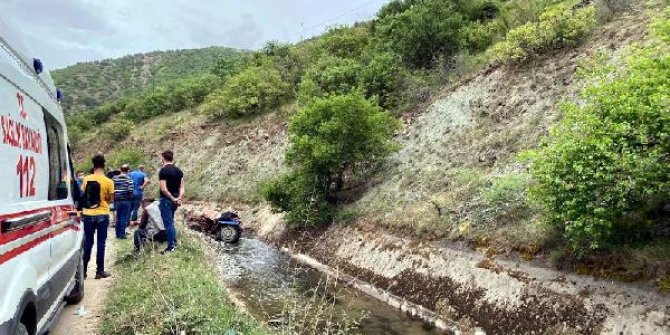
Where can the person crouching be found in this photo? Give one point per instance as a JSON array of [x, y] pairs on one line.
[[151, 226]]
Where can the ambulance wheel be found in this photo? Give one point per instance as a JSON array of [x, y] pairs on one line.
[[77, 293]]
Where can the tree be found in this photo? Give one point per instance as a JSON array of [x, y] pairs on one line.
[[330, 75], [345, 42], [330, 137], [423, 31], [382, 77], [337, 134]]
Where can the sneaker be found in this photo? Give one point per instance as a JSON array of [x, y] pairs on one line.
[[102, 275], [168, 251], [124, 237]]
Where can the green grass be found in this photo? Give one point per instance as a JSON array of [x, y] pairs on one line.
[[174, 294]]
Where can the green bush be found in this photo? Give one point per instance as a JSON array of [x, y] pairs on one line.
[[338, 134], [227, 67], [255, 90], [130, 156], [605, 165], [382, 77], [173, 97], [345, 42], [116, 131], [515, 13], [301, 196], [477, 36], [290, 60], [559, 26], [423, 31], [330, 75], [511, 188], [395, 7]]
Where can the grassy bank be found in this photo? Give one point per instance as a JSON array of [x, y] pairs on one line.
[[174, 294]]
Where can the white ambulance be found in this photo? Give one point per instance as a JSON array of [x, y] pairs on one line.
[[40, 234]]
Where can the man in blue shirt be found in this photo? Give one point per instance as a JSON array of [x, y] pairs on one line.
[[140, 181]]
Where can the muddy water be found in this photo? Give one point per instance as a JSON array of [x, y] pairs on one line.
[[264, 278]]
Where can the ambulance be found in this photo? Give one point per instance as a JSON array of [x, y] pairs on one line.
[[41, 266]]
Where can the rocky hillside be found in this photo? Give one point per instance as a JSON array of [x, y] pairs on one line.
[[87, 85]]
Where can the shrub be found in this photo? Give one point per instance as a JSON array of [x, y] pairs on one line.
[[506, 199], [423, 31], [605, 165], [508, 189], [559, 26], [330, 75], [345, 42], [130, 156], [301, 196], [515, 13], [172, 97], [291, 60], [255, 90], [478, 36], [226, 67], [382, 77], [116, 131], [395, 7], [338, 134]]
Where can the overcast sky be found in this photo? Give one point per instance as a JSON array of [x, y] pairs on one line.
[[64, 32]]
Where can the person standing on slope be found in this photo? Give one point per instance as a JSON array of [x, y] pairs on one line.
[[171, 196], [140, 182], [123, 201], [98, 194]]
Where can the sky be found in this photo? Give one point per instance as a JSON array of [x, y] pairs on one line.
[[64, 32]]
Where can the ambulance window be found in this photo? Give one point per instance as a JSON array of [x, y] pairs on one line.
[[58, 176]]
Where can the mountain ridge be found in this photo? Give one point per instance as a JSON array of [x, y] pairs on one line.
[[90, 84]]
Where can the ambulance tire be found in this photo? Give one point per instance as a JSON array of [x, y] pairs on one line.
[[77, 293]]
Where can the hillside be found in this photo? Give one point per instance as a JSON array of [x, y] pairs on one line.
[[491, 177], [87, 85]]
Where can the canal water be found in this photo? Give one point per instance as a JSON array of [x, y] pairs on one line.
[[271, 283]]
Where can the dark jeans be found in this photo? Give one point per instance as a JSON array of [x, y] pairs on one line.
[[140, 238], [167, 209], [94, 223], [137, 201], [123, 208]]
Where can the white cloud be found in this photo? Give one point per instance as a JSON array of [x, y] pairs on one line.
[[69, 31]]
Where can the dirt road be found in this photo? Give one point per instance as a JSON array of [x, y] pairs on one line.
[[69, 322]]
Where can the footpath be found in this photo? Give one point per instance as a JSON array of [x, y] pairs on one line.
[[84, 318]]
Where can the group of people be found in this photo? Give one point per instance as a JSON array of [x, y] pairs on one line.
[[123, 192]]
